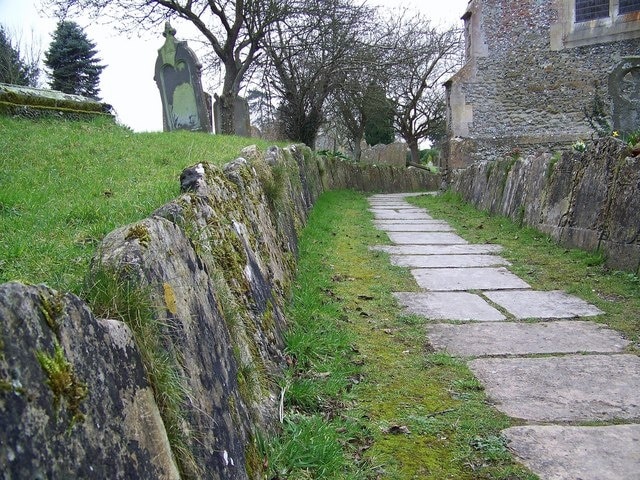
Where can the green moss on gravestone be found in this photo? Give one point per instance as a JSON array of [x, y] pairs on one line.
[[64, 384], [51, 308], [139, 232]]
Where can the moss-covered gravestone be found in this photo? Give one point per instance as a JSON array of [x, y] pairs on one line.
[[624, 88], [177, 73]]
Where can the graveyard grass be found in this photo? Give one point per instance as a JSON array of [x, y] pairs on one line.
[[66, 184], [364, 377], [365, 396]]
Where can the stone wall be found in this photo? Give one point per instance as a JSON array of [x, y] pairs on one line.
[[588, 200], [172, 375], [527, 81], [35, 102]]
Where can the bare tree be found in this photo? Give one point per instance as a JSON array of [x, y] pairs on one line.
[[19, 60], [424, 57], [233, 28], [361, 94], [310, 54]]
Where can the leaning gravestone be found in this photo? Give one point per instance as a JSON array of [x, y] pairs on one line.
[[624, 88], [177, 74]]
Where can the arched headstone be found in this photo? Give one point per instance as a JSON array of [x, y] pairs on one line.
[[177, 74]]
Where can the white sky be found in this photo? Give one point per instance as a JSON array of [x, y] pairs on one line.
[[127, 81]]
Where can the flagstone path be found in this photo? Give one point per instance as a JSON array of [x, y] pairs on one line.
[[538, 356]]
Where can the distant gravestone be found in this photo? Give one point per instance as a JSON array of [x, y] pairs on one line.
[[241, 118], [177, 74], [394, 154], [624, 89]]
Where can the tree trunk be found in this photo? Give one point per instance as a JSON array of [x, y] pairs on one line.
[[357, 147], [226, 103], [230, 93], [415, 151]]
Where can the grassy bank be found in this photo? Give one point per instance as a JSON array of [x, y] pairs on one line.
[[363, 377], [64, 185]]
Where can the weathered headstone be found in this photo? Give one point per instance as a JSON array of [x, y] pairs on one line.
[[624, 88], [393, 154], [241, 118], [177, 74]]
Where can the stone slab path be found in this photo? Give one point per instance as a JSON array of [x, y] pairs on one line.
[[538, 356]]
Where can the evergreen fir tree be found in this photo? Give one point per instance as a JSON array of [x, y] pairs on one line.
[[72, 60]]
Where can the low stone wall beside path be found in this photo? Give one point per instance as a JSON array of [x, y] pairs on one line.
[[588, 200], [204, 280]]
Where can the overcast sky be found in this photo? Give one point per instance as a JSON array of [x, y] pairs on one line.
[[127, 82]]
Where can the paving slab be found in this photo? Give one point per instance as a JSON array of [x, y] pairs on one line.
[[461, 306], [586, 453], [535, 304], [404, 209], [509, 338], [388, 214], [426, 238], [394, 206], [401, 194], [455, 279], [571, 388], [409, 222], [414, 227], [462, 249], [447, 261]]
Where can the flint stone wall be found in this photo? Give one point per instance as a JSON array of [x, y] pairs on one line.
[[527, 81], [215, 266], [588, 200]]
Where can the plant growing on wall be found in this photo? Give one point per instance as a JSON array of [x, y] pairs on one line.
[[597, 116]]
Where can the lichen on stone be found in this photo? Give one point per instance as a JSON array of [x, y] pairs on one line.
[[170, 298]]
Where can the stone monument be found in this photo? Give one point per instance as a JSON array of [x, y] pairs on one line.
[[241, 118], [624, 89], [177, 74]]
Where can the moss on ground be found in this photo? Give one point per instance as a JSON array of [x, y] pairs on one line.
[[418, 414]]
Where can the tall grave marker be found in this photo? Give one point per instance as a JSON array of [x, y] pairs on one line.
[[177, 74], [624, 88]]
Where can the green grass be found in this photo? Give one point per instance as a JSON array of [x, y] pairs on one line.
[[362, 369], [66, 184], [545, 265]]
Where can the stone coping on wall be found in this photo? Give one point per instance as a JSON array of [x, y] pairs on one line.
[[18, 99]]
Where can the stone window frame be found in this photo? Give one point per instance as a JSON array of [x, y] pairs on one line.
[[567, 33], [595, 10]]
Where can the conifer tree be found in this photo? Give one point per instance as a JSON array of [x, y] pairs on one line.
[[72, 61]]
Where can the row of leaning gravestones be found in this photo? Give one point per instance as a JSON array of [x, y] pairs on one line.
[[185, 104]]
